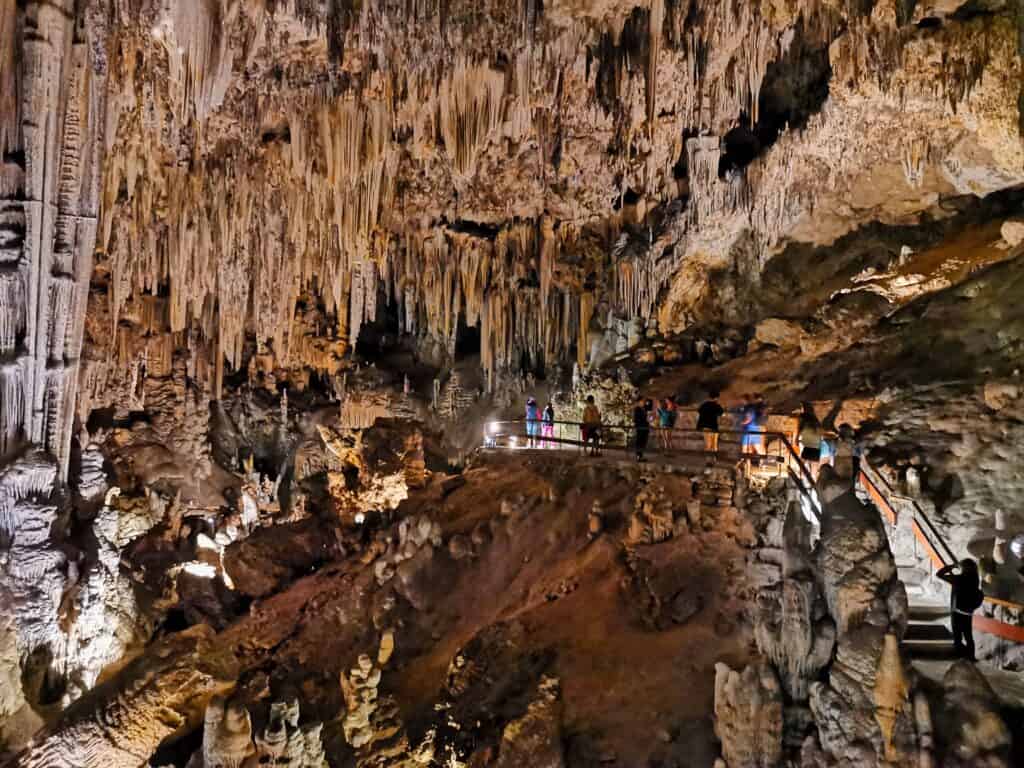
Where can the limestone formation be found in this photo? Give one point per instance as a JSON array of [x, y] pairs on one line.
[[793, 629], [156, 696], [268, 268], [748, 716], [536, 737], [866, 707], [970, 718]]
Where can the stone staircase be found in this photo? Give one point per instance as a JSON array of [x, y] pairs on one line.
[[928, 634]]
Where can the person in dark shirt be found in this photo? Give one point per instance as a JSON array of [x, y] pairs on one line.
[[708, 414], [642, 424], [966, 599]]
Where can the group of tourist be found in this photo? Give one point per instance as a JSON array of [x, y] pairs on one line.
[[751, 415], [540, 426]]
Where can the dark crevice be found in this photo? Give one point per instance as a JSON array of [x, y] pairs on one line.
[[474, 228], [795, 88], [467, 340], [630, 55], [905, 11], [975, 8]]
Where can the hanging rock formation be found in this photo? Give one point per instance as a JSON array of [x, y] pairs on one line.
[[270, 268]]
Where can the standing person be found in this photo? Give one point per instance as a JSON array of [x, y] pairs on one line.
[[665, 418], [642, 425], [708, 414], [591, 430], [967, 597], [532, 422], [809, 430], [673, 413], [758, 422], [548, 425], [748, 425]]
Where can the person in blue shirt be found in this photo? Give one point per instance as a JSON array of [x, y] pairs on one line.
[[532, 423], [752, 418], [666, 419]]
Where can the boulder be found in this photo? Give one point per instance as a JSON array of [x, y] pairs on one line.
[[1013, 232], [975, 731], [779, 333]]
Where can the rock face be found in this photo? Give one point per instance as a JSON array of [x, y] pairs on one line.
[[155, 697], [829, 632], [975, 732], [267, 268], [794, 629], [865, 708]]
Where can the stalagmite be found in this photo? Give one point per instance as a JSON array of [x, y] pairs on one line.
[[121, 723], [243, 243]]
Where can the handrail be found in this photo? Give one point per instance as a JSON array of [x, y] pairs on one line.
[[922, 526], [804, 481], [931, 535]]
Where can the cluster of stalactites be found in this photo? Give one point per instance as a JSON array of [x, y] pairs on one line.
[[441, 278], [234, 239]]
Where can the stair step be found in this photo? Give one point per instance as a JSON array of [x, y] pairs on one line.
[[927, 633], [936, 651], [923, 612]]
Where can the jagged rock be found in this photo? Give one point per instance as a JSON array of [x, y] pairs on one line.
[[264, 561], [535, 739], [284, 742], [227, 736], [749, 716], [778, 332], [865, 711], [156, 696], [653, 518], [792, 628], [970, 719]]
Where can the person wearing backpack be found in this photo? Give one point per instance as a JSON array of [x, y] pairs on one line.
[[967, 598]]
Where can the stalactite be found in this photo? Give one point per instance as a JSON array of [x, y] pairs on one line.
[[10, 80], [470, 108], [656, 30], [915, 160]]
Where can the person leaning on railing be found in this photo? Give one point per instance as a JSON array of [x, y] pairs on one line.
[[708, 415], [591, 429]]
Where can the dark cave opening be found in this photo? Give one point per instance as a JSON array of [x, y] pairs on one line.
[[467, 340], [379, 338], [43, 684], [178, 752], [795, 87]]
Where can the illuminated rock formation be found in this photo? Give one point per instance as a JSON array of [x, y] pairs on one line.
[[268, 266]]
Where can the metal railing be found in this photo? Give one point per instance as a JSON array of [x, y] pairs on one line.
[[776, 451], [939, 551], [880, 492]]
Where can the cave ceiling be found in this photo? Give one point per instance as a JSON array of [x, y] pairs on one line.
[[272, 175]]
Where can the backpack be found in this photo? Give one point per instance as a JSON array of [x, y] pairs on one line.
[[973, 599]]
